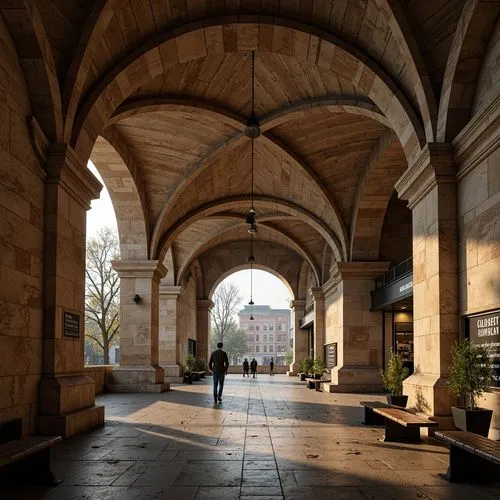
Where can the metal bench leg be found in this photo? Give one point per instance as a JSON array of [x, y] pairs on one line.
[[396, 432], [36, 469], [467, 467], [372, 418]]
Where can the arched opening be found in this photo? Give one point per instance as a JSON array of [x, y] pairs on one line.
[[262, 331]]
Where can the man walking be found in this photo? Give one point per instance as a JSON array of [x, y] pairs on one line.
[[218, 365], [253, 367], [271, 367]]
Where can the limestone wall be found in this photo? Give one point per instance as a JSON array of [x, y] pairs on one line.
[[487, 81], [186, 317], [98, 374], [332, 326], [21, 247]]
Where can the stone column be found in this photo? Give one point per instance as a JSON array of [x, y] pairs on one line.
[[203, 326], [359, 331], [139, 370], [430, 187], [169, 352], [299, 336], [319, 321], [66, 394]]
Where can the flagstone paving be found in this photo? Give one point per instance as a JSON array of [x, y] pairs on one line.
[[271, 438]]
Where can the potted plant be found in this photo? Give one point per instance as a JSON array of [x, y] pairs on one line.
[[393, 377], [318, 368], [201, 367], [189, 364], [305, 368], [470, 375]]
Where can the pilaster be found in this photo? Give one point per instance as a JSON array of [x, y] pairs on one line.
[[359, 330], [430, 187], [67, 396], [139, 369], [299, 336], [203, 327], [169, 343], [319, 321]]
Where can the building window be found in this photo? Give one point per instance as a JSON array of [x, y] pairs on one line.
[[257, 348], [271, 328], [265, 348], [256, 338], [265, 338], [278, 327], [270, 348], [270, 337], [257, 328], [283, 326], [265, 328]]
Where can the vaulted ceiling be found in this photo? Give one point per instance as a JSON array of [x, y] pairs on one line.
[[157, 94]]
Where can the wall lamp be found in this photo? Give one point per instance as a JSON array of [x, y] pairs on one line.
[[137, 298]]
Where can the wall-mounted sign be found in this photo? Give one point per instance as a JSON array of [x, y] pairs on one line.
[[484, 329], [388, 294], [71, 324], [331, 355]]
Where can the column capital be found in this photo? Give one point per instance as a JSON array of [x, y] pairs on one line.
[[172, 291], [153, 269], [434, 166], [297, 304], [204, 304], [316, 293], [358, 270], [65, 167]]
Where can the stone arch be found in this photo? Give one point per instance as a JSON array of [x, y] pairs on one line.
[[301, 41], [109, 156], [474, 30], [243, 267], [26, 29], [302, 289], [168, 262], [158, 250], [383, 168], [232, 232]]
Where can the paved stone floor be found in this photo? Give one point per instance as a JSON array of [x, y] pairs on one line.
[[270, 438]]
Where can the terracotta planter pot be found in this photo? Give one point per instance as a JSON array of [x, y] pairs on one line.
[[397, 400], [477, 421]]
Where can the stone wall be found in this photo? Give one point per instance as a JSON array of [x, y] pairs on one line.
[[331, 317], [261, 369], [487, 82], [186, 317], [99, 373], [21, 247]]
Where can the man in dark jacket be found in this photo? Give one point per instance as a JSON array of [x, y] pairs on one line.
[[253, 367], [218, 365]]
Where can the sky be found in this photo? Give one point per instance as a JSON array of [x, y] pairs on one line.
[[267, 289]]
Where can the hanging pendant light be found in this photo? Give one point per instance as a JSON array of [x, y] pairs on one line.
[[252, 132], [251, 259]]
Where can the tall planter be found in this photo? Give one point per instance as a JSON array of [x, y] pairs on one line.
[[471, 375], [477, 421]]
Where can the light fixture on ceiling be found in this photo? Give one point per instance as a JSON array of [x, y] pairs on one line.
[[252, 132]]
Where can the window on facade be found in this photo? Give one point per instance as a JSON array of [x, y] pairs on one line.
[[257, 327], [271, 328], [278, 327], [270, 337], [256, 338], [257, 349], [264, 328], [265, 348], [265, 338], [270, 348], [283, 327]]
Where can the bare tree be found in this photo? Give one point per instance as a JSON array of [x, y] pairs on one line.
[[226, 300], [102, 287]]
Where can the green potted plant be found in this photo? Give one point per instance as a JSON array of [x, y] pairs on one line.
[[318, 368], [189, 364], [470, 375], [393, 377], [201, 367], [305, 368]]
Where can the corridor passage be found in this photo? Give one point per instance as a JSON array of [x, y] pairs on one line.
[[270, 438]]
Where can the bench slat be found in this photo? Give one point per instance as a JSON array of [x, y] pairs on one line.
[[404, 418], [374, 404], [473, 443], [16, 450]]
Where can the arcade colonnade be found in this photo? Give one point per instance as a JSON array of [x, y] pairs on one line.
[[379, 128]]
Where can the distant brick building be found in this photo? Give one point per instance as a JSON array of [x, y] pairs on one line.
[[268, 333]]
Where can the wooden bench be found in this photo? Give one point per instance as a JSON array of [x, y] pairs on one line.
[[401, 425], [316, 382], [473, 457], [372, 418], [28, 460]]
